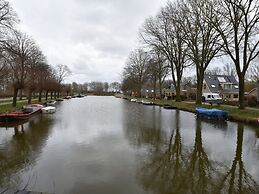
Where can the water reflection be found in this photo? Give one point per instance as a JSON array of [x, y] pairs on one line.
[[107, 145], [163, 171], [174, 167], [237, 179], [22, 149]]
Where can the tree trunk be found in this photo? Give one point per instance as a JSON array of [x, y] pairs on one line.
[[29, 96], [139, 92], [51, 95], [46, 96], [154, 89], [15, 93], [40, 93], [160, 88], [178, 91], [241, 91], [58, 94], [200, 76], [20, 94]]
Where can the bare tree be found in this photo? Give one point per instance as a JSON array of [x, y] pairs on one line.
[[37, 59], [229, 69], [136, 69], [18, 50], [201, 37], [43, 75], [214, 71], [62, 72], [164, 34], [158, 70], [238, 22], [7, 17], [7, 20], [115, 86]]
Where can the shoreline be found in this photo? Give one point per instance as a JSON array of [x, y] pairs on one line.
[[247, 116]]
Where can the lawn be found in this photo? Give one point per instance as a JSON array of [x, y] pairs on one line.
[[248, 115]]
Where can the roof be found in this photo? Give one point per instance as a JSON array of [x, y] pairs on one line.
[[214, 83]]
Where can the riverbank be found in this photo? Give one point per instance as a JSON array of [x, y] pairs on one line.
[[8, 107], [248, 115]]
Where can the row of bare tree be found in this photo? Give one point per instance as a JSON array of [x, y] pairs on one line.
[[195, 32], [22, 63]]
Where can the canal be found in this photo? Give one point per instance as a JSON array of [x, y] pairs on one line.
[[105, 145]]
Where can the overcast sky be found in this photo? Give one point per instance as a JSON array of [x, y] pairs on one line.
[[92, 37]]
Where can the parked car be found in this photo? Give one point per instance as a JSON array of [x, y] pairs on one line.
[[212, 98]]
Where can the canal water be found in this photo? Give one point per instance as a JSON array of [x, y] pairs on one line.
[[105, 145]]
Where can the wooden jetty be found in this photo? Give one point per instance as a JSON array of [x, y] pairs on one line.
[[15, 191]]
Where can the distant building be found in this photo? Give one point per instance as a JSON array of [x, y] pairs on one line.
[[226, 86]]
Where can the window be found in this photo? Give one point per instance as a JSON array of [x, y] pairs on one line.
[[213, 86], [204, 86], [226, 86], [209, 96], [235, 95], [236, 87], [221, 79]]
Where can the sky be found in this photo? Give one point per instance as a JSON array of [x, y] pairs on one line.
[[92, 37]]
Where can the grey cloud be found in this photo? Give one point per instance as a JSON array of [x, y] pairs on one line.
[[92, 37]]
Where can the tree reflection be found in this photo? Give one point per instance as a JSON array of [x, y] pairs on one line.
[[163, 173], [199, 171], [237, 179], [23, 149], [174, 169]]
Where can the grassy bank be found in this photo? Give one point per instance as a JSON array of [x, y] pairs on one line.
[[9, 107], [249, 116]]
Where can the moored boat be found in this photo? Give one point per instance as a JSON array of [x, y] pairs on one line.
[[133, 100], [48, 110], [168, 106], [59, 100], [22, 114], [51, 103], [147, 102], [212, 113], [68, 97]]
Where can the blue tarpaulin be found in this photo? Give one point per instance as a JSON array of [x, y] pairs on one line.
[[212, 113]]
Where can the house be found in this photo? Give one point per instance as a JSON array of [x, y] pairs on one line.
[[255, 92], [187, 91], [226, 86]]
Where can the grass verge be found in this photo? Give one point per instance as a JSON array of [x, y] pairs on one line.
[[249, 116]]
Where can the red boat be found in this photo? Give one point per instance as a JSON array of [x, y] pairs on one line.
[[22, 114]]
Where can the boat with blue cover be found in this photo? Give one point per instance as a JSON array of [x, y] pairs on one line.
[[212, 113]]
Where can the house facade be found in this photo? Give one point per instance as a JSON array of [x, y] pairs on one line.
[[226, 86], [255, 92]]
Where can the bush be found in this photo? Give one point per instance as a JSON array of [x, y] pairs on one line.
[[252, 101]]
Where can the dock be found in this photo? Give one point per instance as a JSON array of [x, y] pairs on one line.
[[15, 191]]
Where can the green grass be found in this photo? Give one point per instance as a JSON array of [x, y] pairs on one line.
[[9, 107], [247, 115]]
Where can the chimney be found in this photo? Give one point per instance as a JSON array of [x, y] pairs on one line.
[[258, 91]]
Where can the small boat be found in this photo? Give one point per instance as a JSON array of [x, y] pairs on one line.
[[51, 103], [48, 110], [80, 96], [59, 100], [169, 107], [133, 100], [22, 114], [147, 102], [212, 113], [68, 97]]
